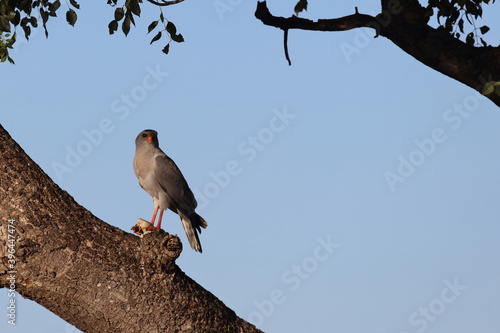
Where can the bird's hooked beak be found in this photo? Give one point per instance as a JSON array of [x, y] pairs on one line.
[[149, 138]]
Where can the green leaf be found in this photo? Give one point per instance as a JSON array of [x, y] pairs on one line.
[[119, 13], [461, 25], [166, 48], [469, 40], [171, 29], [71, 17], [26, 28], [155, 38], [489, 87], [56, 4], [300, 6], [113, 26], [74, 4], [126, 25], [152, 26], [4, 24], [52, 7], [44, 15], [25, 6], [33, 22], [17, 18], [177, 38], [484, 29], [129, 14], [133, 5]]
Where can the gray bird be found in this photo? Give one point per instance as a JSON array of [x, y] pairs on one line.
[[161, 178]]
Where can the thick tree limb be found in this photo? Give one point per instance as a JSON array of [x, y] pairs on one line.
[[404, 22], [93, 275]]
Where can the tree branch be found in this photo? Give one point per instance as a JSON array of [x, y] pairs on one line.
[[404, 22], [91, 274], [340, 24], [165, 2]]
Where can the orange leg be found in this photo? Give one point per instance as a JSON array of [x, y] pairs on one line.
[[159, 221], [152, 226]]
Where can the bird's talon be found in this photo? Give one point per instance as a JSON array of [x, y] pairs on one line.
[[154, 228]]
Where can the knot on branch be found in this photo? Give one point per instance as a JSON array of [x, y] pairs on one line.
[[173, 246], [159, 250]]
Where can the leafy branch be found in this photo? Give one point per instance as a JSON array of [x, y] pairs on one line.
[[6, 42], [24, 14], [131, 8], [169, 28], [27, 14], [452, 16]]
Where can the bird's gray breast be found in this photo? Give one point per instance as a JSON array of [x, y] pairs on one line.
[[144, 167]]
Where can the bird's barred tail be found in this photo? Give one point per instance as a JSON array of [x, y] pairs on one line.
[[191, 225]]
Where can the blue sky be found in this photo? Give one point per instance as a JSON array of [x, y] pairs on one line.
[[350, 192]]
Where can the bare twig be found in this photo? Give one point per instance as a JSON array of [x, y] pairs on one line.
[[345, 23], [285, 42]]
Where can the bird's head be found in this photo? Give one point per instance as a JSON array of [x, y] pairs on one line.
[[147, 137]]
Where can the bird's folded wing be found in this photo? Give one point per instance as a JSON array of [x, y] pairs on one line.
[[173, 182]]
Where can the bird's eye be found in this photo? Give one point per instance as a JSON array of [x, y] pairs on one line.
[[144, 135]]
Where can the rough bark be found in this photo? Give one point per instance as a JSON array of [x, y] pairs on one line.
[[93, 275], [405, 23]]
